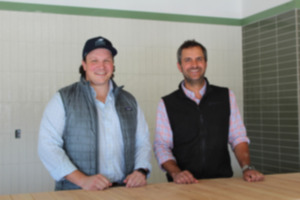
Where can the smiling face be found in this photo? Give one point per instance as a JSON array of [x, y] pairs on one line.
[[193, 65], [99, 67]]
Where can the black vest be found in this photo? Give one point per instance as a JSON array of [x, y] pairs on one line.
[[200, 132]]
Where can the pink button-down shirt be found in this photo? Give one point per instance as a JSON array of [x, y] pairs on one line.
[[163, 142]]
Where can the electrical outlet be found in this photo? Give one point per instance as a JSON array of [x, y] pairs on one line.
[[18, 133]]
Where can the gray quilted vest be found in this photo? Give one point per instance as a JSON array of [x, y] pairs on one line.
[[81, 130]]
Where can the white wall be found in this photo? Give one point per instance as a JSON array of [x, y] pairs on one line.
[[41, 52], [251, 7]]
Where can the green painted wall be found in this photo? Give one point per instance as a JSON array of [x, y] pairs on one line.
[[271, 99]]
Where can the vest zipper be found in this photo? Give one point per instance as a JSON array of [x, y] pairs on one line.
[[203, 143]]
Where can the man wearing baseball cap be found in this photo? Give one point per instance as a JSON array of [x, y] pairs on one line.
[[93, 134]]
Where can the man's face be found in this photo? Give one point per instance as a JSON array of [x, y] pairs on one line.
[[193, 65], [99, 66]]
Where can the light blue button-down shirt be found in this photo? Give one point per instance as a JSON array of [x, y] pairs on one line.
[[111, 157]]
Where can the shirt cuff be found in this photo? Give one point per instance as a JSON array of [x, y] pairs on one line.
[[60, 173]]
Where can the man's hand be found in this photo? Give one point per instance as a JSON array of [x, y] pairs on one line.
[[183, 177], [252, 176], [95, 182], [242, 154], [180, 177], [135, 179]]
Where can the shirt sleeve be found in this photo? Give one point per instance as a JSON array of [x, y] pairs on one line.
[[50, 140], [163, 141], [143, 146], [237, 130]]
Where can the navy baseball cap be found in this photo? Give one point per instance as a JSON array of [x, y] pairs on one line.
[[98, 42]]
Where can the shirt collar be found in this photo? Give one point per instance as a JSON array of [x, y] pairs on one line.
[[191, 94], [110, 95]]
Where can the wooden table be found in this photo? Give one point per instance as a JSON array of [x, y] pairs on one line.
[[274, 187]]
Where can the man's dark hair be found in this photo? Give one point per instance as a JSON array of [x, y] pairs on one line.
[[188, 44], [81, 70]]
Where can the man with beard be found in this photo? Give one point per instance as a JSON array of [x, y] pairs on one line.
[[195, 124], [93, 134]]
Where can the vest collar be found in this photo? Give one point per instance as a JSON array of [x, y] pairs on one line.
[[84, 81], [116, 89], [184, 94]]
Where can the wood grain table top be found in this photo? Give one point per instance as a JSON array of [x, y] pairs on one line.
[[274, 187]]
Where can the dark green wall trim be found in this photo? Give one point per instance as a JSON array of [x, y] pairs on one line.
[[116, 13], [26, 7]]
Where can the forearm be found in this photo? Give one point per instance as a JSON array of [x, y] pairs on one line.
[[171, 167], [76, 177], [163, 141], [93, 182], [178, 176], [53, 156], [50, 140], [242, 153], [143, 146], [237, 130]]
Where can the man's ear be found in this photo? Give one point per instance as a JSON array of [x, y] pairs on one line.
[[179, 67], [83, 65]]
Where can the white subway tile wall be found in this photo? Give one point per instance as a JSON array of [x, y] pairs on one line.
[[41, 53]]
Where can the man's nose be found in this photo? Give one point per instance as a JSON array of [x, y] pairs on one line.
[[100, 65], [194, 63]]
